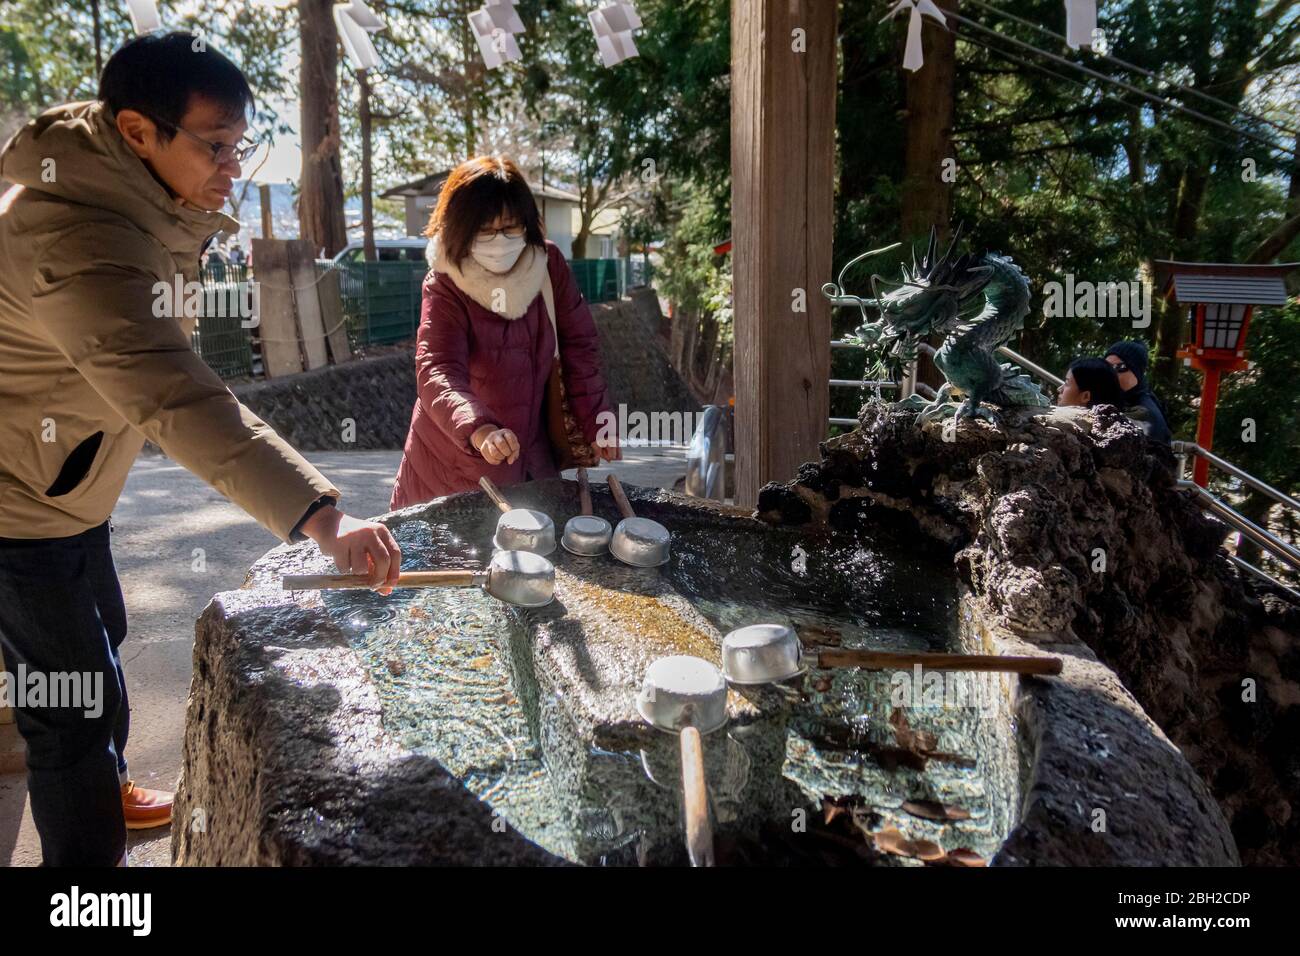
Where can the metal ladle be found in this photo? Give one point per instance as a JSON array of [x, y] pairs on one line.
[[586, 534], [515, 577], [768, 653], [520, 529], [639, 542], [687, 696]]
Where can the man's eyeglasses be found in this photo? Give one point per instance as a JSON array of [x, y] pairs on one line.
[[510, 232], [1119, 367], [221, 152]]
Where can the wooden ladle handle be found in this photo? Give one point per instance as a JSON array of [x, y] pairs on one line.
[[584, 491], [486, 483], [888, 660], [699, 832], [624, 506], [407, 579]]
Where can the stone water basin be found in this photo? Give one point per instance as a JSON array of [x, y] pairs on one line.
[[440, 726]]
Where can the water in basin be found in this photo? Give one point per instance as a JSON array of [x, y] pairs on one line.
[[445, 663]]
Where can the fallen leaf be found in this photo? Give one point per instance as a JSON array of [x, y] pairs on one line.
[[934, 810], [819, 635], [890, 840], [927, 850], [395, 666], [833, 807], [917, 741]]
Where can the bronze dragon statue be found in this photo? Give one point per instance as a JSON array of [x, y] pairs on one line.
[[975, 302]]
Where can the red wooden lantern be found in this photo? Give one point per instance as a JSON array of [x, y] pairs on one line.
[[1220, 298]]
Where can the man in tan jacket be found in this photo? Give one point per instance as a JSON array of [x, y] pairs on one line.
[[115, 199]]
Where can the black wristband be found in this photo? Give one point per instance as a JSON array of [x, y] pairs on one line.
[[296, 535]]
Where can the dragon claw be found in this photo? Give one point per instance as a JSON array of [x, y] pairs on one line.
[[936, 410], [972, 409]]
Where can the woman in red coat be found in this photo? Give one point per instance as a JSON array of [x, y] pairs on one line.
[[485, 347]]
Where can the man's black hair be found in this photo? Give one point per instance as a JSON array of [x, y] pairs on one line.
[[156, 74], [1099, 378]]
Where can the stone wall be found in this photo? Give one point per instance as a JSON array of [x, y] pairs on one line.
[[637, 366], [1069, 527], [378, 393]]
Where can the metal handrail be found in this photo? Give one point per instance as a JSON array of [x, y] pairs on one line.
[[1031, 367], [865, 383], [706, 457], [1262, 537], [1184, 448], [851, 383], [1249, 568]]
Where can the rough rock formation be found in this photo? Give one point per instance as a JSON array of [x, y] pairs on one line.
[[291, 758], [1068, 525], [287, 762]]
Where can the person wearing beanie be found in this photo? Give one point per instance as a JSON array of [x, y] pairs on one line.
[[1130, 360]]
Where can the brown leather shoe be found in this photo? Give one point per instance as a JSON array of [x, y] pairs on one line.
[[145, 809]]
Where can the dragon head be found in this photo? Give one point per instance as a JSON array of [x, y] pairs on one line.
[[933, 293], [929, 301]]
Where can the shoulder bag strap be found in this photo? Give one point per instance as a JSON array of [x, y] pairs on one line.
[[548, 295]]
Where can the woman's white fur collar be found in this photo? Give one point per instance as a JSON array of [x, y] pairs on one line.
[[508, 294]]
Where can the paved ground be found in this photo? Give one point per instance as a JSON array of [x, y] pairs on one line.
[[164, 515]]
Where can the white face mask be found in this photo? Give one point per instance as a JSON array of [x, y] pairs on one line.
[[498, 254]]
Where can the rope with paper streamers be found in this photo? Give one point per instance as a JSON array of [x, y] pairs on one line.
[[1122, 84], [1125, 64], [913, 58]]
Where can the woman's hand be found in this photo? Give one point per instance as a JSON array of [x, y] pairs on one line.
[[610, 452], [496, 444], [357, 546]]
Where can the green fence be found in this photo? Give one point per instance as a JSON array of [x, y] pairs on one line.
[[381, 303], [597, 278], [220, 335], [381, 300]]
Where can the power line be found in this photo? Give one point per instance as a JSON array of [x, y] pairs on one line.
[[1020, 61], [1122, 84], [1138, 69]]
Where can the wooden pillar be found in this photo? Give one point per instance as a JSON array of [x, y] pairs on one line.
[[1205, 422], [268, 218], [783, 81]]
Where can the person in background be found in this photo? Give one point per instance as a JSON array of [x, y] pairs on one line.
[[1089, 382], [1130, 361], [215, 262], [486, 342], [236, 254], [90, 367]]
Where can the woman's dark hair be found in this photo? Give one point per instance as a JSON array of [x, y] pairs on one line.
[[474, 194], [1098, 378], [157, 74]]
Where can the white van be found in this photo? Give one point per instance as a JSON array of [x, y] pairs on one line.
[[410, 249]]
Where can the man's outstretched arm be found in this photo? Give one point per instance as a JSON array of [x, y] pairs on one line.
[[102, 318]]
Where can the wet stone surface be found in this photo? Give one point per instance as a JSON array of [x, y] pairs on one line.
[[531, 713]]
